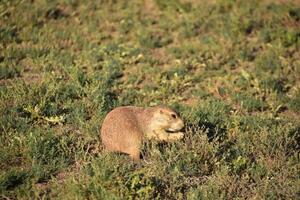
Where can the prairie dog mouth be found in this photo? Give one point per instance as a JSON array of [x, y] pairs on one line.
[[173, 130]]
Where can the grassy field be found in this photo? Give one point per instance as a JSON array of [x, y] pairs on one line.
[[231, 68]]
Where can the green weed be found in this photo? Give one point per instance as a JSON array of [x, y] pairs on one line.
[[229, 68]]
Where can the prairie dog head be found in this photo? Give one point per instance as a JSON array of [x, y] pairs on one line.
[[166, 119]]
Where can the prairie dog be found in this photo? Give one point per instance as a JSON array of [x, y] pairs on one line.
[[125, 128]]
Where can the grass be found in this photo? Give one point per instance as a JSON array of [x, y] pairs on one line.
[[230, 68]]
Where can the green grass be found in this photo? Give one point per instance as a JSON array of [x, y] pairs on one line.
[[230, 68]]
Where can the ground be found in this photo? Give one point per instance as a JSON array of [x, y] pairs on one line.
[[230, 68]]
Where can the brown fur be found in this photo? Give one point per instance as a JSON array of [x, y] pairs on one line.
[[125, 128]]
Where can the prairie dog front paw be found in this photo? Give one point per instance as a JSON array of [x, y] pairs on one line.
[[176, 136]]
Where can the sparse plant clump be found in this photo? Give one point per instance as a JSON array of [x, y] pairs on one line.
[[294, 104]]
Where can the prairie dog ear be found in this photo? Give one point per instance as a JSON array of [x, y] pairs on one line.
[[161, 111]]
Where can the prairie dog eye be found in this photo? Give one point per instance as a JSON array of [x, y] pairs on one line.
[[174, 116]]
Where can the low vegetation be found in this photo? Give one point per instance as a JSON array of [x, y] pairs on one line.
[[231, 69]]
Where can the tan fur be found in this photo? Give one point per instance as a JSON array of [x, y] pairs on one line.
[[125, 128]]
